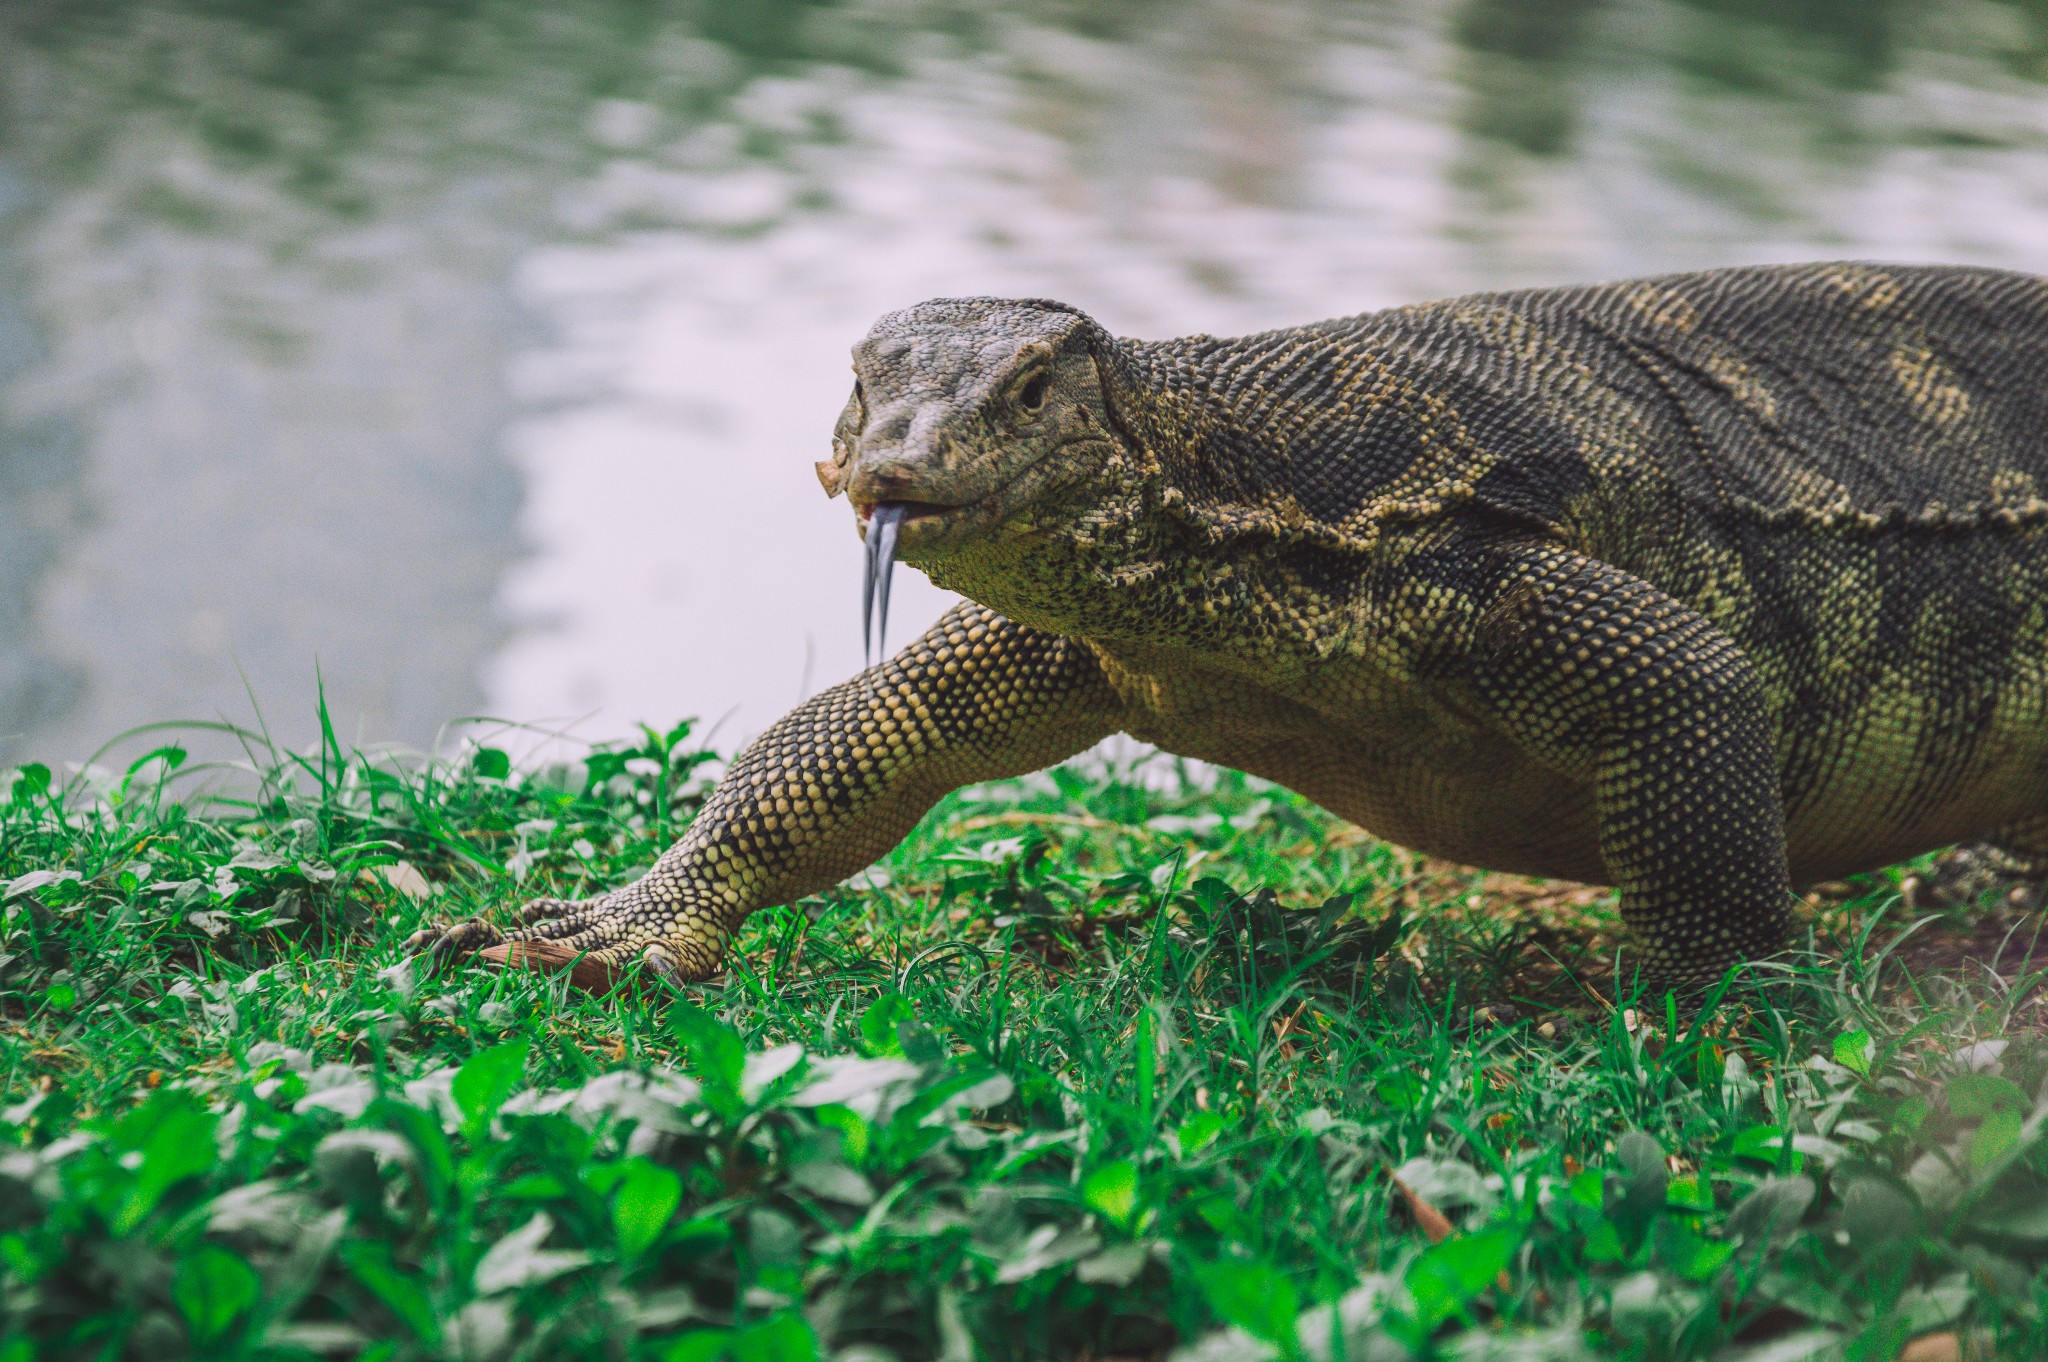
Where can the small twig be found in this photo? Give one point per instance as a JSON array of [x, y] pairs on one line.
[[1434, 1224]]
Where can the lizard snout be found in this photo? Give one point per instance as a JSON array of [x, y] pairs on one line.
[[907, 453], [899, 475]]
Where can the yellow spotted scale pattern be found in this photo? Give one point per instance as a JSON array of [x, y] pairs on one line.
[[1704, 586]]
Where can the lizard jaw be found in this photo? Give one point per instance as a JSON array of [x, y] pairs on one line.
[[882, 523], [931, 524]]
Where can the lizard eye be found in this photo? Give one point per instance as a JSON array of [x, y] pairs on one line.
[[1032, 395]]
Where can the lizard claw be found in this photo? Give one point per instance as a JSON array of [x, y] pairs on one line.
[[544, 910], [597, 939], [423, 939], [448, 944], [662, 963]]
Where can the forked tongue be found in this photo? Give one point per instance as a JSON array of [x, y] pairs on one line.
[[883, 523]]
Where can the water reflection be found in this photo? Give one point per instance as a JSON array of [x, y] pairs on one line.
[[479, 354]]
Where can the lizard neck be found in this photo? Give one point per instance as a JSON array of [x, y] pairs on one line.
[[1093, 563], [1185, 528]]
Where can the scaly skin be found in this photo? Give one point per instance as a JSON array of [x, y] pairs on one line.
[[1700, 586], [834, 785]]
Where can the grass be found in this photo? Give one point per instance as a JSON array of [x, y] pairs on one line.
[[1112, 1063]]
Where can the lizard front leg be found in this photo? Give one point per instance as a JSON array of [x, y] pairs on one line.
[[834, 785], [1611, 681]]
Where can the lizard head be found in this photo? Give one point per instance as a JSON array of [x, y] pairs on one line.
[[971, 419]]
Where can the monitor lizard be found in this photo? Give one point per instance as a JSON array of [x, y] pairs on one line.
[[1702, 586]]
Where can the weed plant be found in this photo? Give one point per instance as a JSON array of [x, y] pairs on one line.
[[1110, 1063]]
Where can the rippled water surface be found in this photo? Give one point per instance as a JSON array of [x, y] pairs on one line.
[[477, 354]]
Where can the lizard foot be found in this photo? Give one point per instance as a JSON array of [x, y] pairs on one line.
[[597, 940]]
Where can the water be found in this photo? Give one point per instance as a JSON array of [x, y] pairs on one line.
[[475, 357]]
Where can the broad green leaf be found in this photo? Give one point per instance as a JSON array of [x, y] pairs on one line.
[[602, 1177], [1637, 1196], [1399, 1089], [1112, 1190], [1707, 1261], [1911, 1115], [213, 1289], [879, 1023], [1690, 1193], [1252, 1296], [852, 1128], [482, 1085], [1118, 1265], [1772, 1211], [1602, 1243], [491, 763], [832, 1180], [369, 1260], [31, 779], [1765, 1144], [1998, 1136], [773, 1239], [1974, 1096], [1449, 1274], [699, 1345], [2023, 1219], [1199, 1131], [17, 1257], [1687, 1252], [433, 1160], [952, 1098], [695, 1238], [1212, 893], [1852, 1051], [718, 1057], [172, 1139], [786, 1337], [642, 1204], [1643, 1157], [533, 1187], [1881, 1341], [519, 1260], [843, 1079], [1226, 1217], [1943, 1301], [1874, 1211], [600, 767], [763, 1069], [1046, 1247]]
